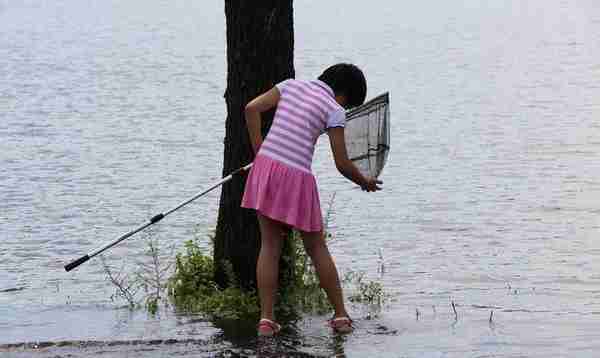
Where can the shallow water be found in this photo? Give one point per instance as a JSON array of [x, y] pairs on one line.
[[112, 111]]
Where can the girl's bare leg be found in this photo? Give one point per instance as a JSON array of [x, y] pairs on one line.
[[272, 234], [316, 248]]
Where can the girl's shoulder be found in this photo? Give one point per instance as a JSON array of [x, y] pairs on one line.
[[313, 89]]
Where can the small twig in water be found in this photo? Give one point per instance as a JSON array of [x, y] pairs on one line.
[[454, 309], [381, 268], [328, 213], [124, 289]]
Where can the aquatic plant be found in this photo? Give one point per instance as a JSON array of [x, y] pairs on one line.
[[192, 288], [150, 277], [125, 288], [363, 290], [153, 271]]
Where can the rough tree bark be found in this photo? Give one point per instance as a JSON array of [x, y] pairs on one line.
[[260, 43]]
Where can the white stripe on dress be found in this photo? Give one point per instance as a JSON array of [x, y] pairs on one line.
[[289, 148], [280, 153], [314, 91], [300, 118]]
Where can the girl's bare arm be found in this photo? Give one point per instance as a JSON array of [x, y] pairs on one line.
[[252, 112], [344, 165]]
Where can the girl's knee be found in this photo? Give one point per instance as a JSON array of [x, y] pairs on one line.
[[314, 244]]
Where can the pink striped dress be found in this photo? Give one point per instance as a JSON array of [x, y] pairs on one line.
[[281, 185]]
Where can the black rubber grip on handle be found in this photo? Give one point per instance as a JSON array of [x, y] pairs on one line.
[[157, 218], [76, 263]]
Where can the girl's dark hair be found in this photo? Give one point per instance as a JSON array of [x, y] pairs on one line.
[[348, 80]]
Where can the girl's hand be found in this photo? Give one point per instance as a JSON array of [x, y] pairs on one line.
[[372, 185]]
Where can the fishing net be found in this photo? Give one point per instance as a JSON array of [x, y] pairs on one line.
[[367, 135]]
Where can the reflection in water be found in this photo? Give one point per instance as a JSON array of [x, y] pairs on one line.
[[292, 340], [337, 346]]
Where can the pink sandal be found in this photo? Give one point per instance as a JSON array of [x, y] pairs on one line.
[[268, 328], [341, 325]]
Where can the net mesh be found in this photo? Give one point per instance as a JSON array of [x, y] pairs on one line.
[[367, 135]]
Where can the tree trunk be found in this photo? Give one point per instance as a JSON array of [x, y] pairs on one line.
[[260, 43]]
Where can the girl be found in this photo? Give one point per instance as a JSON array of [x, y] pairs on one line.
[[281, 187]]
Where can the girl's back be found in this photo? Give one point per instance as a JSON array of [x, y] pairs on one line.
[[305, 110]]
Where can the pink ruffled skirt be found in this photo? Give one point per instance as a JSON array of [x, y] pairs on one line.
[[283, 193]]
